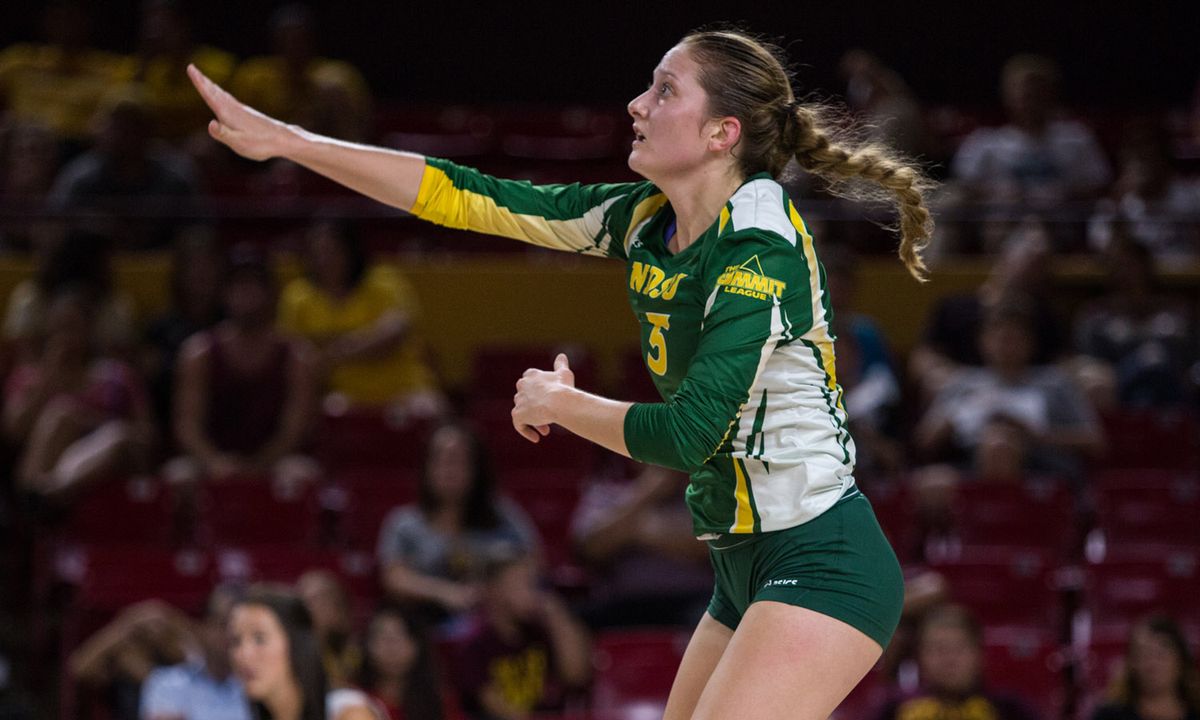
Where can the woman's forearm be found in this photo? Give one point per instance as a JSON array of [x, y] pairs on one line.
[[392, 177], [592, 417]]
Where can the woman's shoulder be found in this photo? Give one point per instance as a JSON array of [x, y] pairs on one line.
[[350, 704]]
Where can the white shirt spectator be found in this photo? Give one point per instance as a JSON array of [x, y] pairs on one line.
[[188, 692]]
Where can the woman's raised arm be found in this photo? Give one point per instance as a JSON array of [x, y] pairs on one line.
[[389, 176]]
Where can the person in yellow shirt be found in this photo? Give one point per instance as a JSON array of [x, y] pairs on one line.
[[361, 318], [166, 48], [296, 86]]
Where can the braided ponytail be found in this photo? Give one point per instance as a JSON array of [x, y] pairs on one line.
[[833, 162], [746, 78]]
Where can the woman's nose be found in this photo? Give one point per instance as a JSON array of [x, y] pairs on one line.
[[636, 107]]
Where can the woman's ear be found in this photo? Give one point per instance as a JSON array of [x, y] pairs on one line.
[[725, 133]]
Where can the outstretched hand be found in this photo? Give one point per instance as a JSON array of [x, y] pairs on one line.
[[533, 409], [243, 129]]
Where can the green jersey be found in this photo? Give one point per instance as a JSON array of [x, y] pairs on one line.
[[734, 330]]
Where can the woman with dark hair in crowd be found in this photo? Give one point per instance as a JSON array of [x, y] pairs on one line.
[[1160, 680], [276, 654], [398, 668], [361, 317], [432, 552]]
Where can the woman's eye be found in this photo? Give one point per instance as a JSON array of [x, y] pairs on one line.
[[664, 89]]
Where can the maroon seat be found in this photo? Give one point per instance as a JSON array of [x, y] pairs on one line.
[[1131, 581], [253, 511], [107, 578], [362, 498], [1032, 514], [1026, 662], [133, 510], [510, 451], [635, 667], [1151, 438], [1148, 506], [550, 498], [496, 368], [370, 437], [1004, 585]]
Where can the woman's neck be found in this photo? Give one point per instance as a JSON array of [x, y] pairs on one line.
[[697, 199], [286, 703]]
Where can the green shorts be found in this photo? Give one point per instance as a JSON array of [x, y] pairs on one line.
[[838, 564]]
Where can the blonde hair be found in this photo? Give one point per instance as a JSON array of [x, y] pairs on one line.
[[745, 78]]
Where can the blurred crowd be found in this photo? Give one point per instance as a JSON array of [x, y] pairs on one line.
[[455, 575]]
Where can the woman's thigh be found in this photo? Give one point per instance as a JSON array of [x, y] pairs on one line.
[[785, 662], [703, 653]]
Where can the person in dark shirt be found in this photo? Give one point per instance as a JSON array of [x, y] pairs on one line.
[[952, 682], [1160, 680]]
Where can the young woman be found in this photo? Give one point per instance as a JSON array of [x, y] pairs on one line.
[[1160, 680], [275, 653], [726, 285]]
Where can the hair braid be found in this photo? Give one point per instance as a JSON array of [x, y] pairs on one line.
[[817, 154]]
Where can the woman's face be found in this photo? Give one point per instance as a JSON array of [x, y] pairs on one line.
[[1154, 661], [670, 120], [450, 468], [948, 659], [392, 649], [258, 649]]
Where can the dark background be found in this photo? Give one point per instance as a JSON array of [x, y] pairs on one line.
[[1127, 55]]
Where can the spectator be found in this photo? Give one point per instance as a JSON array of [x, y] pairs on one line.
[[80, 260], [526, 652], [949, 343], [126, 174], [81, 418], [327, 602], [325, 96], [952, 679], [277, 656], [884, 103], [122, 655], [1151, 200], [1010, 417], [59, 84], [637, 537], [398, 669], [361, 317], [245, 395], [203, 688], [1136, 340], [166, 48], [197, 266], [865, 372], [431, 552], [1160, 680], [1038, 158], [29, 160]]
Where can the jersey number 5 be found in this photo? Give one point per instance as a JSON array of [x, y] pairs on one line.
[[656, 360]]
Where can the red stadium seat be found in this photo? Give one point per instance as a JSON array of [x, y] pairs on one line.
[[1004, 585], [252, 511], [498, 367], [1148, 506], [1151, 438], [370, 437], [1132, 581], [1026, 662], [133, 510], [109, 577], [550, 498], [1038, 515], [362, 498], [635, 667]]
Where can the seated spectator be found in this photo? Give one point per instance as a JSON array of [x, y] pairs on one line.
[[165, 50], [1151, 201], [78, 260], [197, 266], [1160, 680], [275, 652], [121, 656], [1010, 418], [638, 539], [1136, 340], [398, 669], [1039, 158], [327, 602], [59, 84], [953, 681], [525, 652], [325, 96], [949, 342], [29, 161], [203, 688], [865, 371], [885, 104], [245, 395], [81, 418], [125, 174], [361, 318], [431, 553]]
